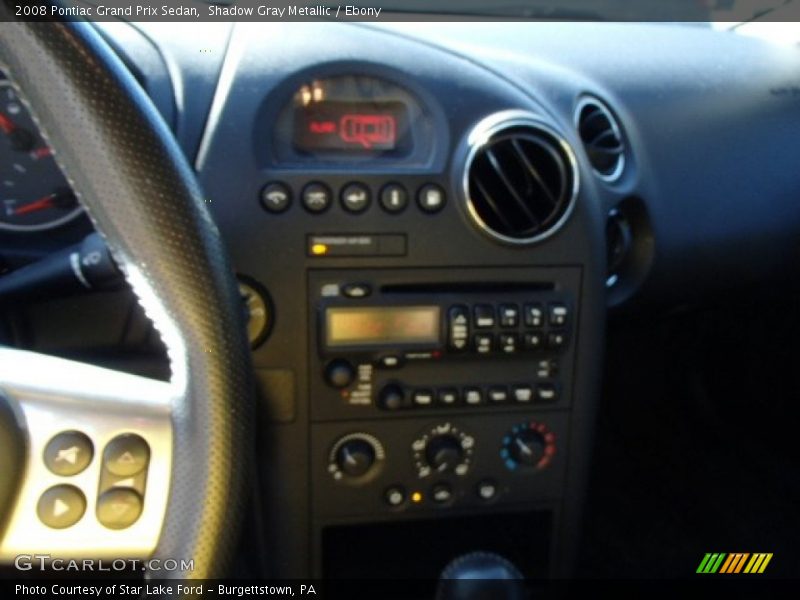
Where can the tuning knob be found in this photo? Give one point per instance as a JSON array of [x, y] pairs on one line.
[[355, 457]]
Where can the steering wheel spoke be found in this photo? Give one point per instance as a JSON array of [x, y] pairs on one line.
[[98, 455]]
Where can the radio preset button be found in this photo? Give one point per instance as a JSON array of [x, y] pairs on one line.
[[276, 197], [483, 343], [509, 315], [339, 373], [394, 198], [484, 316], [523, 393], [316, 197], [534, 315], [546, 392], [448, 396], [557, 315], [533, 341], [458, 328], [556, 340], [498, 394], [355, 197], [423, 398], [473, 396], [508, 343]]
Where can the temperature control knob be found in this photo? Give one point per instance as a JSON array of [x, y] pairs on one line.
[[444, 452], [529, 445], [355, 457]]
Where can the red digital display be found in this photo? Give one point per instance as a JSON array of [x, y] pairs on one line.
[[349, 126]]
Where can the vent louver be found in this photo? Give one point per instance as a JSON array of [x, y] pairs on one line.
[[602, 139], [520, 182]]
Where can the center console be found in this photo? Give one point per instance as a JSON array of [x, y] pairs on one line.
[[424, 268]]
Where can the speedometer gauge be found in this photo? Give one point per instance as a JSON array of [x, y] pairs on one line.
[[34, 194]]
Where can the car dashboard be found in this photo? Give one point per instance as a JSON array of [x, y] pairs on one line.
[[430, 224]]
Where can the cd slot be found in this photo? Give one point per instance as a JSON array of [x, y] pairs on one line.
[[461, 287]]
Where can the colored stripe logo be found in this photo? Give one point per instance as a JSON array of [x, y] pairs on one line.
[[737, 562]]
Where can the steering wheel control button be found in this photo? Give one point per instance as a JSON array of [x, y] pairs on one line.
[[339, 373], [534, 315], [486, 489], [441, 493], [68, 453], [61, 506], [394, 198], [395, 496], [431, 198], [458, 328], [119, 508], [355, 198], [126, 455], [276, 197], [316, 197], [484, 316]]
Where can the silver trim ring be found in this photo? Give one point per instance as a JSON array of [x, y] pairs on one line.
[[481, 135], [620, 167]]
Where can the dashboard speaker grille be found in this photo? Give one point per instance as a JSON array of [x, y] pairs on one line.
[[602, 139], [520, 184]]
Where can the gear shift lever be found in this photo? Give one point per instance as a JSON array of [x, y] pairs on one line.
[[481, 576]]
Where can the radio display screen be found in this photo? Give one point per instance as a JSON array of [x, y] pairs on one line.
[[382, 325], [350, 127]]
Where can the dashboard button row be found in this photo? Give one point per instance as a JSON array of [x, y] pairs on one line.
[[355, 197], [544, 392]]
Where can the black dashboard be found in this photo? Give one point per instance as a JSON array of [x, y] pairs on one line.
[[430, 234]]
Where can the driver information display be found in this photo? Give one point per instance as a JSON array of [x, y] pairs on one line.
[[382, 325]]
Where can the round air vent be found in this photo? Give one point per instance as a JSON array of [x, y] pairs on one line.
[[601, 137], [520, 180]]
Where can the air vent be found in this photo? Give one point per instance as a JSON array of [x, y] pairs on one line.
[[602, 138], [520, 181]]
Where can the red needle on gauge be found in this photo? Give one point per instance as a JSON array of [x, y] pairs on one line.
[[40, 204]]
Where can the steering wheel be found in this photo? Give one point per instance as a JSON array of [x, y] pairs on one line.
[[179, 448]]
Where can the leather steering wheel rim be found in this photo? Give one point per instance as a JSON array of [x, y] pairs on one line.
[[140, 192]]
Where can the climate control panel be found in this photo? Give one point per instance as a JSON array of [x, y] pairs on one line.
[[421, 464]]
